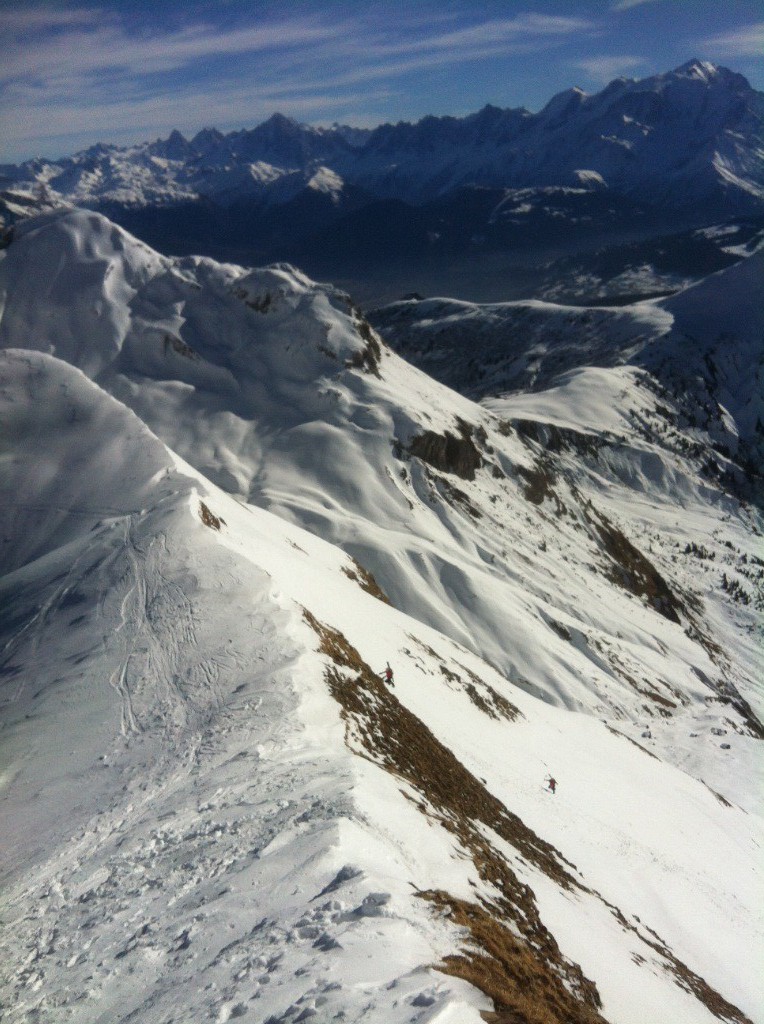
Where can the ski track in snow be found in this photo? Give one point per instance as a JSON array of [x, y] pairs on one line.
[[156, 867]]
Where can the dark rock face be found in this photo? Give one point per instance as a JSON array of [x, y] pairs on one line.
[[448, 453]]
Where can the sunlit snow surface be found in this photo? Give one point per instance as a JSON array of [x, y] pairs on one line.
[[188, 830]]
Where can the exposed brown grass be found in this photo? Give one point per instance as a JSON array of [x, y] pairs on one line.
[[367, 358], [686, 978], [482, 695], [508, 954], [746, 712], [382, 729], [703, 992], [457, 496], [645, 687], [631, 569], [503, 706], [540, 485], [365, 581], [214, 522], [552, 438], [506, 969], [716, 654], [171, 341]]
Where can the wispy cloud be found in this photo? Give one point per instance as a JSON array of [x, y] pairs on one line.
[[747, 41], [93, 44], [501, 31], [625, 5], [605, 69], [382, 57], [84, 69], [40, 19], [110, 47]]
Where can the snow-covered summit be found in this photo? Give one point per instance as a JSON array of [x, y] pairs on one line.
[[705, 71]]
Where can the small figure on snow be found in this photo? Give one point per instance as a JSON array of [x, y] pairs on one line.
[[387, 675], [551, 783]]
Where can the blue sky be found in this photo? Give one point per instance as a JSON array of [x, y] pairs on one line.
[[124, 71]]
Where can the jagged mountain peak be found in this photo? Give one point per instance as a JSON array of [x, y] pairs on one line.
[[567, 100], [288, 144], [279, 126], [175, 147], [279, 122], [207, 138], [706, 72]]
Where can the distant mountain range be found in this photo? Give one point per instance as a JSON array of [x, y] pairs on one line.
[[692, 135], [685, 148]]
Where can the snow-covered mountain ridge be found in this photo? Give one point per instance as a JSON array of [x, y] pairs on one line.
[[189, 675], [690, 136]]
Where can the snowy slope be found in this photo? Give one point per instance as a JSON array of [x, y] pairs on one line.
[[188, 679], [241, 373], [186, 811], [175, 781]]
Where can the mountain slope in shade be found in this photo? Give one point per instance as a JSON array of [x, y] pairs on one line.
[[704, 343], [189, 678], [667, 140], [716, 336]]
